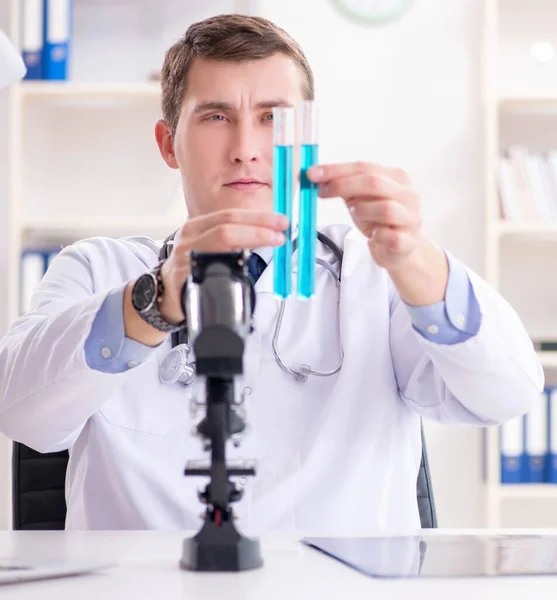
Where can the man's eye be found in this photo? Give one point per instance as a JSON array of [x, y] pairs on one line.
[[268, 117], [216, 118]]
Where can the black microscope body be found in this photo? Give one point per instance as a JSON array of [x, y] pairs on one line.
[[218, 300]]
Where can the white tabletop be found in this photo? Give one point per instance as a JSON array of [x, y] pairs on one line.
[[148, 568]]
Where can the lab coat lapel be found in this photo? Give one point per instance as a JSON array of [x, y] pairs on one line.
[[266, 304]]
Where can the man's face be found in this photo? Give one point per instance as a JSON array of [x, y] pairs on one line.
[[224, 138]]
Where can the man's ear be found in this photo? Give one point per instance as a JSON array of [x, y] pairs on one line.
[[163, 135]]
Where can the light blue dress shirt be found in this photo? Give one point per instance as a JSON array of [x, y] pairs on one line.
[[451, 321], [107, 348]]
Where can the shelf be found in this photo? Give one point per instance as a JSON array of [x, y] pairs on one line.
[[540, 490], [548, 359], [119, 227], [527, 229], [528, 100], [65, 89]]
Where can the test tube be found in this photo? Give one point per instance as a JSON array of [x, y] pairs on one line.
[[307, 237], [283, 141]]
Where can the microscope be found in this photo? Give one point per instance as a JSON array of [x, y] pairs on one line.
[[218, 300]]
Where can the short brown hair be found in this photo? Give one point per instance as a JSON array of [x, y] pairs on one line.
[[230, 37]]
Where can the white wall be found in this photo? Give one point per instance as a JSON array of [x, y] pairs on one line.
[[407, 95]]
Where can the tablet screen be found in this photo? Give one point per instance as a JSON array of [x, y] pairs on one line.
[[443, 555]]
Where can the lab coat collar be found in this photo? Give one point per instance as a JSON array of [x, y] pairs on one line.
[[266, 252]]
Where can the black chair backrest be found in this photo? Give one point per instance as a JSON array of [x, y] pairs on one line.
[[38, 484], [38, 497]]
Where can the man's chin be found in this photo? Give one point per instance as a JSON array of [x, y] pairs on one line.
[[258, 200]]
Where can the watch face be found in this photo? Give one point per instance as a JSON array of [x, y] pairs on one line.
[[144, 292]]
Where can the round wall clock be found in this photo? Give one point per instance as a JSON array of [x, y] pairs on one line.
[[373, 11]]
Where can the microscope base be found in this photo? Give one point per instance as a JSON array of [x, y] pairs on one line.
[[220, 548]]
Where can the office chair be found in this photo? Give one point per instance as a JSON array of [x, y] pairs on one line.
[[38, 497], [38, 482]]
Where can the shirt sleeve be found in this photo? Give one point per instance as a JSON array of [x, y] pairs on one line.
[[107, 349], [455, 319]]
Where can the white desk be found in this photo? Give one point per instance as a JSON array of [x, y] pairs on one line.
[[148, 569]]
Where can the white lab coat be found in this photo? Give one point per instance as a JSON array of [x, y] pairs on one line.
[[339, 453]]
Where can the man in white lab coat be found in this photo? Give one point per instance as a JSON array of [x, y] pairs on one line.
[[422, 334]]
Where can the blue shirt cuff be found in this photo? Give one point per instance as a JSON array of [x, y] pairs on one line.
[[107, 349], [455, 319]]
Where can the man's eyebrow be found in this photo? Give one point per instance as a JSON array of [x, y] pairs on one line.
[[213, 105], [272, 103], [226, 106]]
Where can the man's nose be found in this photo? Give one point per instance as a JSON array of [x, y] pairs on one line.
[[245, 146]]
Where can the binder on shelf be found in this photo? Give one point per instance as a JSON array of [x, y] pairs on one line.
[[32, 271], [536, 442], [34, 264], [552, 456], [50, 256], [57, 29], [512, 451], [544, 207], [32, 38]]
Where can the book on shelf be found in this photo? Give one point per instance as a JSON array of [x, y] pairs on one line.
[[545, 345], [528, 444], [527, 185]]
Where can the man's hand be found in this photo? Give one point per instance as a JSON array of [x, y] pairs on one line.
[[386, 209], [383, 205], [223, 231]]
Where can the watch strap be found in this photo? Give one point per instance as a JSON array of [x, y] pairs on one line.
[[153, 315]]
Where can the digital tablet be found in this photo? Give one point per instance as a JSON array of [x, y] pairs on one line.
[[443, 555]]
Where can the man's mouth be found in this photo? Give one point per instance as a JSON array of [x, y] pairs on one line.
[[246, 185]]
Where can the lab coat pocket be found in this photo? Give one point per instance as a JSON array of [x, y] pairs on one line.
[[145, 405]]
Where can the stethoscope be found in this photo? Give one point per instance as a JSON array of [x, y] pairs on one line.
[[177, 366]]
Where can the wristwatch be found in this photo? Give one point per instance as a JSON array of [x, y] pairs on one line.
[[147, 294]]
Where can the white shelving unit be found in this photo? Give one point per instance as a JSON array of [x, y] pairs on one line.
[[83, 157], [519, 95]]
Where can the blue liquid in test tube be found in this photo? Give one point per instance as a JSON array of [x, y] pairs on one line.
[[283, 140], [307, 240]]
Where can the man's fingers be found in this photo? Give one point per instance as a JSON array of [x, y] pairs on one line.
[[229, 237], [365, 186], [234, 216], [327, 172], [384, 212], [396, 241]]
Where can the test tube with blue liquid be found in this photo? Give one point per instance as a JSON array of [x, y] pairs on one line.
[[307, 238], [283, 141]]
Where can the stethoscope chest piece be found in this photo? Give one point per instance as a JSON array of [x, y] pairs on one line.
[[175, 366]]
